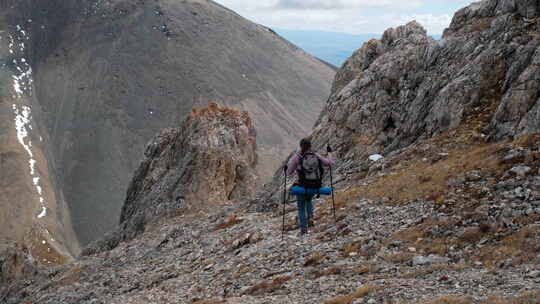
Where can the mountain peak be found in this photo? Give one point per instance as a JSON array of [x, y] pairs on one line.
[[207, 162]]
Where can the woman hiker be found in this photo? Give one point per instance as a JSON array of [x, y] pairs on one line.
[[309, 167]]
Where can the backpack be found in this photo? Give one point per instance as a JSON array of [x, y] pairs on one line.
[[311, 171]]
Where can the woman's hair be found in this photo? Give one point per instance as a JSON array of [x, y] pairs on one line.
[[305, 145]]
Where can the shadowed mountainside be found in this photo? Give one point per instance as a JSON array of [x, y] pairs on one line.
[[93, 81]]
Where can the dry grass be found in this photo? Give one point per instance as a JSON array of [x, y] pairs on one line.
[[334, 270], [471, 235], [530, 141], [399, 258], [413, 178], [420, 236], [531, 298], [520, 247], [417, 179], [42, 250], [71, 277], [229, 222], [267, 286], [350, 248], [426, 180], [411, 234], [348, 299], [210, 301], [314, 259], [364, 269], [243, 271], [439, 247], [451, 300]]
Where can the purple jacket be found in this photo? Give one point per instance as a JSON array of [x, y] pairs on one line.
[[294, 162]]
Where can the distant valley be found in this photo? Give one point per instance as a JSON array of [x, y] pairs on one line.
[[332, 47]]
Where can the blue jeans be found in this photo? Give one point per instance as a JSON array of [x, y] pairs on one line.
[[305, 209]]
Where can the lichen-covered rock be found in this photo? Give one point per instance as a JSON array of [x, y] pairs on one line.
[[209, 160]]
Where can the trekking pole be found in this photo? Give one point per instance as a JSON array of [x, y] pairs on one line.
[[307, 216], [329, 150], [333, 201], [284, 199]]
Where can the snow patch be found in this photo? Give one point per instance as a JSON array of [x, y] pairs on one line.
[[17, 86], [22, 84], [375, 157], [23, 117], [43, 212], [22, 81], [32, 163], [11, 44]]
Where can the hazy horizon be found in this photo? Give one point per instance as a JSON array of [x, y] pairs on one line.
[[356, 17]]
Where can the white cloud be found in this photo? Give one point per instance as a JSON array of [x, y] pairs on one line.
[[350, 16], [333, 4], [434, 24]]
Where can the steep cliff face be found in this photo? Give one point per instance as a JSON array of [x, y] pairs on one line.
[[208, 161], [406, 86], [483, 75], [90, 82]]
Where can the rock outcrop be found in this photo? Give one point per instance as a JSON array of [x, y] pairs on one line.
[[98, 79], [208, 161], [407, 86]]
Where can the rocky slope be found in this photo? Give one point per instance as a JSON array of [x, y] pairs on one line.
[[450, 214], [481, 245], [84, 85]]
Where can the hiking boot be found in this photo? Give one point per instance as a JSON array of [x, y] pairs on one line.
[[303, 232]]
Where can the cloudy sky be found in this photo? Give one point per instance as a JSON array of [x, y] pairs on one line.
[[349, 16]]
